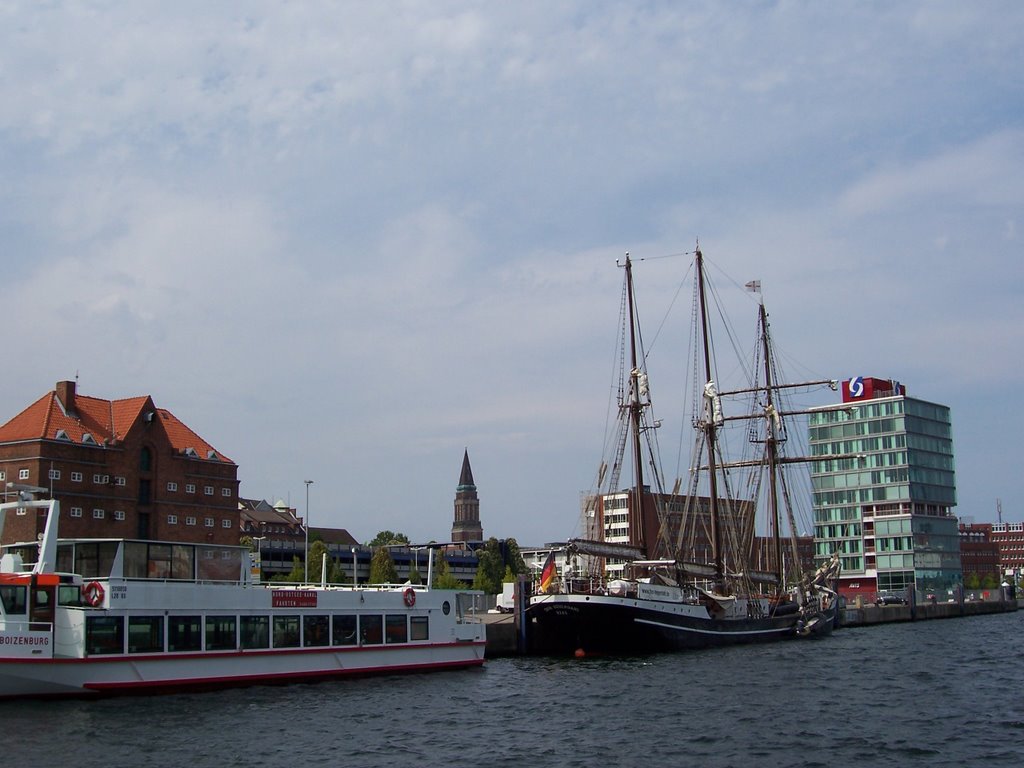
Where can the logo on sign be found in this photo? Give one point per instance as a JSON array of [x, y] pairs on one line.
[[856, 386]]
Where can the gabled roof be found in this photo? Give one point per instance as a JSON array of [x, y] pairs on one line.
[[95, 421]]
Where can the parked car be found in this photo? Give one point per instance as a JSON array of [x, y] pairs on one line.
[[890, 600]]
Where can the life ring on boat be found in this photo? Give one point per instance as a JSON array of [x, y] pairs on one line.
[[409, 596], [93, 593]]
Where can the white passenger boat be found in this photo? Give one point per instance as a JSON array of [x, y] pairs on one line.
[[94, 617]]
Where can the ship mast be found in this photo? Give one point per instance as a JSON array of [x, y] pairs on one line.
[[771, 440], [710, 429], [637, 532]]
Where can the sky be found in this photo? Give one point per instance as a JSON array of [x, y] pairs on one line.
[[345, 242]]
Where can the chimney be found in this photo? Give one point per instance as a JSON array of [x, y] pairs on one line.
[[66, 395]]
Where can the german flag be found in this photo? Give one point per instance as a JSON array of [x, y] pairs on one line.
[[547, 576]]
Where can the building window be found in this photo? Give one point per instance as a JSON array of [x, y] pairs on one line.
[[146, 460], [76, 511], [76, 477], [120, 481], [101, 479], [55, 474], [172, 486], [98, 514], [23, 474], [172, 519], [119, 514], [225, 491], [190, 487], [225, 523], [209, 522], [190, 521], [3, 475], [208, 490]]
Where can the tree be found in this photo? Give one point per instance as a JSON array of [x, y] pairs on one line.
[[443, 578], [297, 574], [384, 538], [489, 568], [514, 558], [382, 567], [509, 577], [316, 552], [414, 575]]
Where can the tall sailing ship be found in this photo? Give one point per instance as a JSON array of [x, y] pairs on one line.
[[691, 573]]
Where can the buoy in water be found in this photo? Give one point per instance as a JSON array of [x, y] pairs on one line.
[[580, 653]]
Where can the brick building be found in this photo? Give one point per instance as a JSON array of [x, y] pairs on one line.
[[120, 469], [979, 552]]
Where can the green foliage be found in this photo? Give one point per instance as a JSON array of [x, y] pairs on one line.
[[972, 581], [384, 538], [316, 552], [989, 582], [382, 567], [414, 575], [247, 541], [509, 577], [489, 569], [443, 578], [514, 560], [298, 572]]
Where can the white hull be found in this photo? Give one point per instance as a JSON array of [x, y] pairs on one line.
[[163, 672]]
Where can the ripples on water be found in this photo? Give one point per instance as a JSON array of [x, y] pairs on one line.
[[936, 693]]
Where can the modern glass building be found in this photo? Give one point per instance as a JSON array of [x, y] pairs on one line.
[[885, 495]]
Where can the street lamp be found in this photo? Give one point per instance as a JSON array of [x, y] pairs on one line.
[[305, 557]]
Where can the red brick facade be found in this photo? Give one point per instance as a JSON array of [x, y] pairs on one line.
[[120, 469]]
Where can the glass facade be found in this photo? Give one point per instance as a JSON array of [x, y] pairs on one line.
[[886, 506]]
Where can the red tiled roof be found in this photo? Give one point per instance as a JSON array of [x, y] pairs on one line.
[[107, 421]]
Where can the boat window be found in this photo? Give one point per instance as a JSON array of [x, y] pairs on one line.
[[158, 565], [219, 563], [183, 562], [286, 631], [95, 559], [184, 633], [315, 630], [13, 598], [104, 634], [345, 629], [419, 628], [65, 558], [371, 630], [145, 634], [136, 553], [397, 629], [220, 633], [255, 631], [69, 594]]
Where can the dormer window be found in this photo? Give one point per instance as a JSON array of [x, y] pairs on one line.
[[212, 455], [191, 453], [88, 439], [62, 435]]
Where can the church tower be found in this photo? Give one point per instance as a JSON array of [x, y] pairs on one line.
[[467, 507]]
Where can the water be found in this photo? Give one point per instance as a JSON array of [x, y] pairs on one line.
[[935, 693]]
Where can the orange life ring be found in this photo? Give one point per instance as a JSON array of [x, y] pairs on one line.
[[409, 596], [93, 593]]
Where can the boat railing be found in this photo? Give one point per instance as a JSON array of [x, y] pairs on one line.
[[24, 625]]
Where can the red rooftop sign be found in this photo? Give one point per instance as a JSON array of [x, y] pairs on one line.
[[868, 388]]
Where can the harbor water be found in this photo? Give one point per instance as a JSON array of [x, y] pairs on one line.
[[935, 693]]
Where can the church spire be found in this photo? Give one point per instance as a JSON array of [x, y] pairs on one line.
[[466, 526]]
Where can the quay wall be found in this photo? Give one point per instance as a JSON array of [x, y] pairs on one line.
[[854, 616]]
